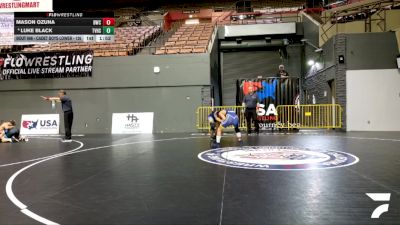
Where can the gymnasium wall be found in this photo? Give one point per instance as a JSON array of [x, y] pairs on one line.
[[131, 71], [310, 29], [121, 84], [374, 103], [316, 81], [371, 51], [315, 84], [366, 51]]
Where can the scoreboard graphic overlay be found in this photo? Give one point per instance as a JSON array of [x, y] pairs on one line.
[[63, 27]]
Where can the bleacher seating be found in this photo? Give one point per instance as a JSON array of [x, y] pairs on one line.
[[11, 48], [282, 4], [128, 41], [188, 39]]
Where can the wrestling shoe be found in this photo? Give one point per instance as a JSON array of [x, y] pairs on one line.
[[14, 139]]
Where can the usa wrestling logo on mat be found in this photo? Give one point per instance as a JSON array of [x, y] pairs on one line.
[[277, 158]]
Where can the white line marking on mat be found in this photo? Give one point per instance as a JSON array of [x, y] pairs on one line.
[[37, 159], [222, 197], [18, 203], [377, 139], [374, 181], [37, 217], [24, 208]]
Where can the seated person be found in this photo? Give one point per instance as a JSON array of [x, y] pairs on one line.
[[4, 128], [222, 119], [9, 132]]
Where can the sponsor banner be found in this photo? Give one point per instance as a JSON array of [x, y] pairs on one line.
[[132, 123], [271, 93], [46, 65], [7, 36], [26, 6], [40, 124]]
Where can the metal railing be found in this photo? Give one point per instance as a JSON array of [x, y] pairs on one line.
[[322, 116], [274, 18], [203, 112]]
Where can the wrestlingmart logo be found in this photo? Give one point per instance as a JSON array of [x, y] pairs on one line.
[[379, 197]]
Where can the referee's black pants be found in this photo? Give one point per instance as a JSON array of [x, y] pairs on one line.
[[251, 114], [68, 118]]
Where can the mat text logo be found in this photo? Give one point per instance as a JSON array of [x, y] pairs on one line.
[[278, 158], [379, 197]]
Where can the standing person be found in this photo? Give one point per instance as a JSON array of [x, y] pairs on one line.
[[283, 90], [250, 102], [282, 73], [66, 105]]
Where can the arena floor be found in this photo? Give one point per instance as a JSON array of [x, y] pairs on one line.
[[159, 179]]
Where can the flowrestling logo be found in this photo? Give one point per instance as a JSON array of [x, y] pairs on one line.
[[379, 197], [277, 158], [46, 65]]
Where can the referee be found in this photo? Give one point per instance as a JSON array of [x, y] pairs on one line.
[[250, 102], [66, 105]]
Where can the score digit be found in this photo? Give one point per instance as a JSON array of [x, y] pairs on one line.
[[108, 30], [108, 21]]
